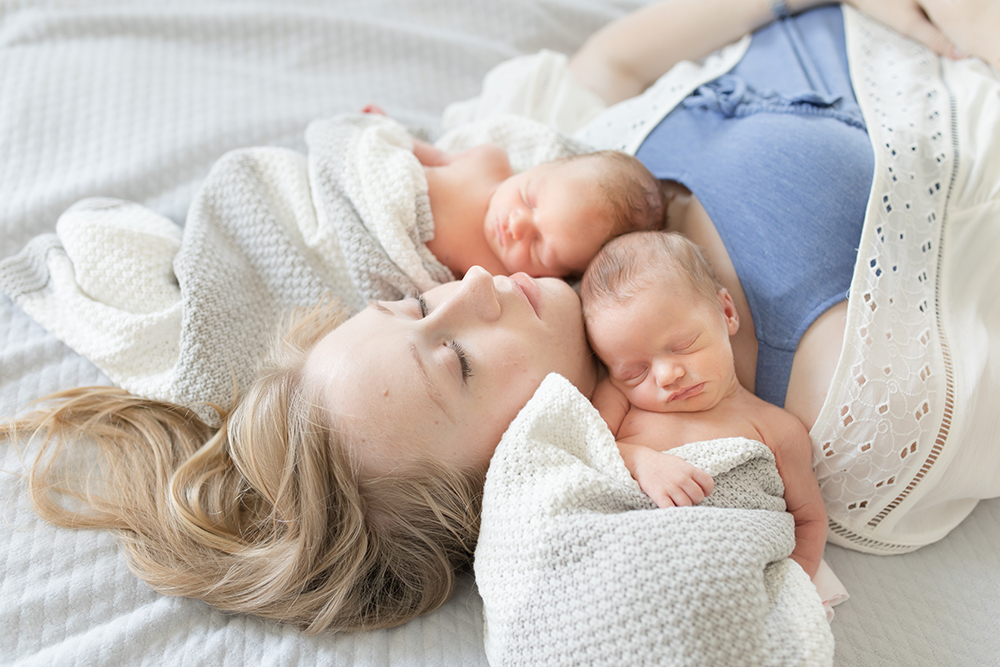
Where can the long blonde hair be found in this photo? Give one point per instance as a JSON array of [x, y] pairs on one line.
[[269, 515]]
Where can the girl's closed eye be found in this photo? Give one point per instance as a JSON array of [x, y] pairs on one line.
[[463, 357], [422, 302]]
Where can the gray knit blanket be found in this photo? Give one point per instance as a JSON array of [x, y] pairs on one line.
[[576, 566], [185, 316]]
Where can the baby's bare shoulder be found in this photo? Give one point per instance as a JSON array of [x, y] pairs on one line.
[[780, 429]]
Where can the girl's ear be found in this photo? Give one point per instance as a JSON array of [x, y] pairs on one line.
[[729, 314]]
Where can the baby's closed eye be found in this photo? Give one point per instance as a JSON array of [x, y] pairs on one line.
[[630, 376]]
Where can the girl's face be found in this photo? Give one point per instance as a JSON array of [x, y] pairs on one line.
[[442, 376]]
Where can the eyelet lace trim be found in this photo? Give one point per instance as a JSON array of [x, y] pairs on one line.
[[889, 411]]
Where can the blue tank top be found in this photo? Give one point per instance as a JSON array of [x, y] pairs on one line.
[[777, 152]]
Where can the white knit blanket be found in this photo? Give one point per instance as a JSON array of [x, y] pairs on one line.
[[185, 316], [576, 565]]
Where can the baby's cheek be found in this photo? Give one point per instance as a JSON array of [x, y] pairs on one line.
[[515, 261], [645, 396], [629, 392]]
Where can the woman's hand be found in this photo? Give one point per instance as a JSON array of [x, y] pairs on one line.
[[951, 28]]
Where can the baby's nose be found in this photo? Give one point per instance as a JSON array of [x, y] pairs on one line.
[[521, 226], [668, 373]]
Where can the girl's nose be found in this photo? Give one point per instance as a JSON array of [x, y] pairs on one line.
[[476, 298]]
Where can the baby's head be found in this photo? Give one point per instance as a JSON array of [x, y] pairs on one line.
[[553, 218], [660, 321]]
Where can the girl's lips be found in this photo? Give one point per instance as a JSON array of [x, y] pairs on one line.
[[693, 390], [529, 288], [499, 231]]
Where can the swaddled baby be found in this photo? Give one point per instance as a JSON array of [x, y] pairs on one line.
[[549, 220], [658, 318]]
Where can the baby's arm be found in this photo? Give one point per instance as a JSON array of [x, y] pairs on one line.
[[669, 480], [611, 403], [802, 495], [425, 152], [429, 156]]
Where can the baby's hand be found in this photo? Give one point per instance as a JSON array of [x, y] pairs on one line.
[[671, 481], [426, 153]]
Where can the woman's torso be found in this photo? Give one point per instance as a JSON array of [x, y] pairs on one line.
[[777, 157]]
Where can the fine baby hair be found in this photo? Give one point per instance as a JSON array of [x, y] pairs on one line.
[[634, 262], [269, 515], [634, 195]]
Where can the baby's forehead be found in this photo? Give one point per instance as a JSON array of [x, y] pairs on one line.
[[588, 166], [647, 290]]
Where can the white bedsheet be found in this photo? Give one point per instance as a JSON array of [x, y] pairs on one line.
[[136, 101]]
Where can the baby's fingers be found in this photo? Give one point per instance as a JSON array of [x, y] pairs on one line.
[[685, 493], [662, 499], [671, 496], [704, 481], [692, 491]]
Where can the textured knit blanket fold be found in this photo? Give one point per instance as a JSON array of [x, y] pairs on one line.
[[185, 316], [576, 565]]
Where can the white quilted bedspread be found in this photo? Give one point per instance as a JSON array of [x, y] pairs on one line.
[[136, 100]]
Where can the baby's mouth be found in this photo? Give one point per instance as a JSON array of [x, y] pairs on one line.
[[693, 390]]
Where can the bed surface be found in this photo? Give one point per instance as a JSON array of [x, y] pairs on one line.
[[122, 99]]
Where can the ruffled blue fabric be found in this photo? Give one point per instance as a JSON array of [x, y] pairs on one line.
[[732, 97], [777, 152]]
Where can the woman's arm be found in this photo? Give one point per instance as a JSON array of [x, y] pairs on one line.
[[626, 56]]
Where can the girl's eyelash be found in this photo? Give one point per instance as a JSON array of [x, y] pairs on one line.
[[422, 303], [463, 359]]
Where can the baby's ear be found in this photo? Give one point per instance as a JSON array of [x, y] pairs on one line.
[[729, 313]]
